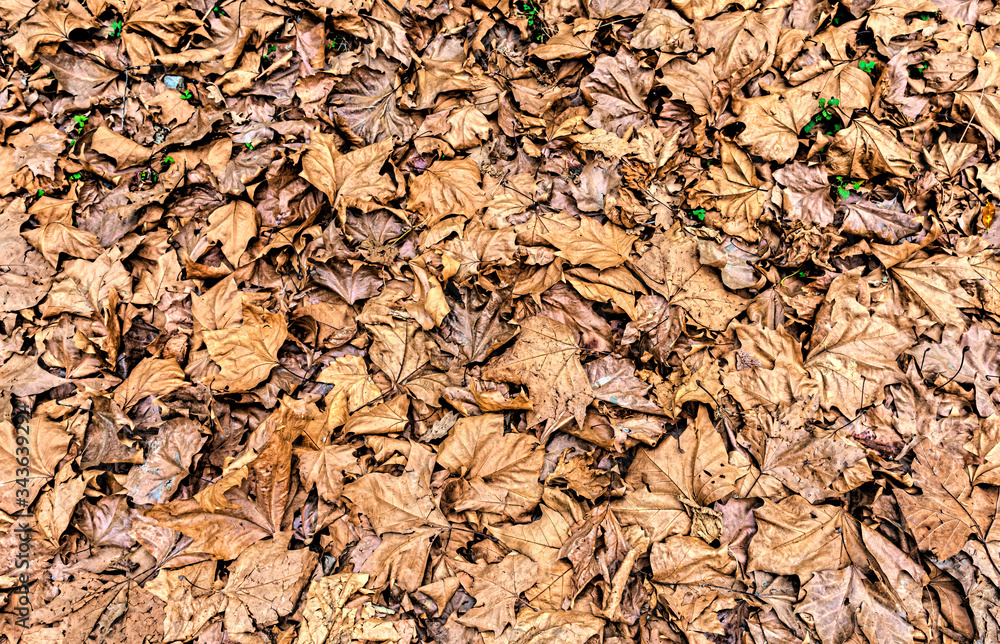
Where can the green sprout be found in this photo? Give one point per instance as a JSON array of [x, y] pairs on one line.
[[75, 176], [824, 117], [527, 8], [72, 142], [187, 95], [149, 175], [116, 28], [867, 65], [927, 15], [249, 146], [81, 120], [699, 213], [41, 193], [790, 275], [844, 187], [219, 11], [168, 160]]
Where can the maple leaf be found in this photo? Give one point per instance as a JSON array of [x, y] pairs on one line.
[[395, 503], [797, 538], [600, 246], [500, 471], [736, 191], [247, 354], [447, 187], [265, 582], [497, 588], [545, 358], [352, 179]]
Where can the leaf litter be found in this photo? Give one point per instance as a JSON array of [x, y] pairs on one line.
[[500, 322]]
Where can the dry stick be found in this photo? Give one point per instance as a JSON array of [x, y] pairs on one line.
[[974, 113], [960, 365], [725, 422]]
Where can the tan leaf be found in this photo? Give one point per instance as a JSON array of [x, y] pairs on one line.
[[23, 283], [234, 225], [601, 246], [45, 442], [736, 191], [395, 503], [797, 538], [151, 377], [125, 151], [694, 466], [496, 588], [689, 560], [773, 124], [545, 358], [326, 617], [352, 179], [499, 471], [167, 462], [384, 418], [264, 583], [248, 353], [806, 197], [223, 534], [54, 238], [866, 149], [22, 376], [447, 187]]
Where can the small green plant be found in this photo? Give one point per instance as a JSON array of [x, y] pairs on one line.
[[699, 213], [927, 15], [867, 66], [273, 48], [149, 175], [844, 187], [41, 193], [81, 120], [168, 160], [75, 176], [116, 28], [219, 11], [249, 146], [823, 120], [187, 95], [917, 71], [529, 8], [72, 142], [790, 275]]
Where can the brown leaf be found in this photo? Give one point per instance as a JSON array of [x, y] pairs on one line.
[[352, 179], [47, 442], [265, 582], [499, 471], [247, 354], [806, 197], [125, 151], [545, 358], [448, 187], [601, 246], [497, 588]]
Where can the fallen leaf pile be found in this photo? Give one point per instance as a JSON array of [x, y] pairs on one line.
[[464, 321]]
